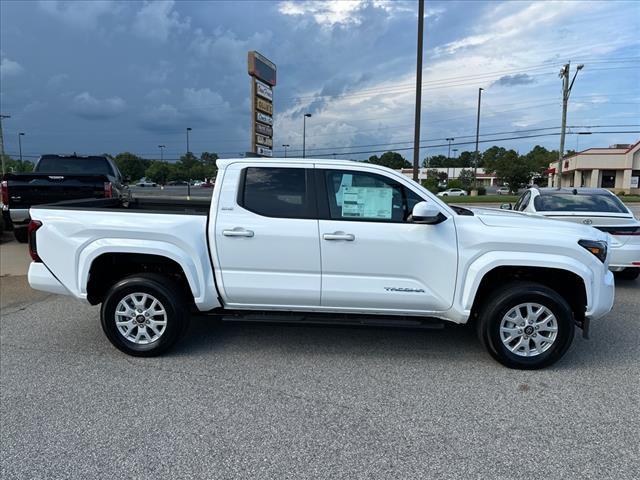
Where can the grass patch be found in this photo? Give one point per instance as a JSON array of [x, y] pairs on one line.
[[629, 198]]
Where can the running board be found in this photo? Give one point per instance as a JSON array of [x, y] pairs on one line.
[[334, 319]]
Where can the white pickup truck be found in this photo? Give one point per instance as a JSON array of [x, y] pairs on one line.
[[323, 241]]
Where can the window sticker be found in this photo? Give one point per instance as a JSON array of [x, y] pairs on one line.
[[367, 202], [347, 181]]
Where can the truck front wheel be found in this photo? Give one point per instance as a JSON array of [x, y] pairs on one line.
[[526, 325], [144, 315]]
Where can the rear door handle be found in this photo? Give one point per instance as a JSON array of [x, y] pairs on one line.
[[349, 237], [238, 232]]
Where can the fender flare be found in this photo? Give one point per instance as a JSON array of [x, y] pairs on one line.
[[491, 260], [200, 281]]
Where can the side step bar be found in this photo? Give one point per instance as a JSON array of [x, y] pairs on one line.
[[332, 319]]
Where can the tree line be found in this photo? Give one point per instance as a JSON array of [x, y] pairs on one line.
[[508, 165]]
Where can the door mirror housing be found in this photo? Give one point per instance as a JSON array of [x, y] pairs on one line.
[[426, 213], [506, 206]]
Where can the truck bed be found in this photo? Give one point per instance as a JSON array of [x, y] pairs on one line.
[[140, 205]]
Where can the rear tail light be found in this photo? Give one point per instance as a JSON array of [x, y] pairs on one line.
[[108, 190], [31, 235], [621, 230], [4, 192]]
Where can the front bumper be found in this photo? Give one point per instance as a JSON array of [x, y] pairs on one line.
[[40, 278], [603, 294]]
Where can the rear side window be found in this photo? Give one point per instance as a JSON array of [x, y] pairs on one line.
[[276, 192]]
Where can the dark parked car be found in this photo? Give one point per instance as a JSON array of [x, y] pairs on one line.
[[56, 178]]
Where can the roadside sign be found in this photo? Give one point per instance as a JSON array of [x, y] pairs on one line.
[[263, 79], [262, 68], [263, 90], [267, 152], [261, 117], [261, 139], [265, 106], [264, 129]]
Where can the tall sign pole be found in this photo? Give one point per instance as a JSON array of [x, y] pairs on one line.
[[2, 142], [263, 79], [416, 133], [475, 155]]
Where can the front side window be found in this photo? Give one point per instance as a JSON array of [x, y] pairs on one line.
[[366, 196], [275, 192], [524, 201]]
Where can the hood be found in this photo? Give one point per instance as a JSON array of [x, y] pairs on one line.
[[510, 219]]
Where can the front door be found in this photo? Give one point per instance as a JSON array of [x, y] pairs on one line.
[[373, 258], [266, 236]]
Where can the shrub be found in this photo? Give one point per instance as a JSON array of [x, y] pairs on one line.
[[482, 191]]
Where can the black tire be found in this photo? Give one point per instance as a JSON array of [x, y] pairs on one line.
[[21, 234], [628, 274], [510, 296], [171, 298]]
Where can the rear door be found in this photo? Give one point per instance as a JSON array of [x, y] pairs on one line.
[[266, 236], [373, 258]]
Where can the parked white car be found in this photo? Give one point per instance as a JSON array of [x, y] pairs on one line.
[[452, 192], [503, 191], [145, 182], [324, 241], [598, 208]]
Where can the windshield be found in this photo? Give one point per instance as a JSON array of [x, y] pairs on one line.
[[98, 165], [579, 203]]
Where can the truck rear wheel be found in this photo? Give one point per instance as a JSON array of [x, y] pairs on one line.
[[144, 315], [526, 326]]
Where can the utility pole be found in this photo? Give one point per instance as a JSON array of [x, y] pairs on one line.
[[20, 135], [475, 156], [162, 147], [285, 145], [416, 133], [566, 91], [304, 134], [449, 149]]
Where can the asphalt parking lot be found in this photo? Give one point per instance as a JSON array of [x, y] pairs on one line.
[[272, 401]]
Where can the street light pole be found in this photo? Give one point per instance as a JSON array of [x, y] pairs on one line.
[[162, 147], [475, 156], [188, 130], [416, 131], [285, 145], [566, 92], [2, 141], [304, 134], [20, 135]]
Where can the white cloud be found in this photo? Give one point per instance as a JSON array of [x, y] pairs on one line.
[[326, 14], [79, 14], [58, 80], [9, 68], [87, 106], [157, 21], [158, 94]]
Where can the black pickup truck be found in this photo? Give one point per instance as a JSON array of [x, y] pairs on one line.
[[56, 178]]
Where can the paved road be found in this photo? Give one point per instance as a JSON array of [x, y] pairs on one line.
[[265, 401]]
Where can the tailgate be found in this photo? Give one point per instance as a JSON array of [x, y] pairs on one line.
[[35, 189]]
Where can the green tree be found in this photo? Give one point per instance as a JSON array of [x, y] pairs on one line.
[[508, 166], [131, 165], [437, 161], [465, 160], [158, 172], [209, 162], [13, 165], [466, 178], [391, 160]]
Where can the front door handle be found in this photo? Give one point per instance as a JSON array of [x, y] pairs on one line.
[[349, 237], [238, 232]]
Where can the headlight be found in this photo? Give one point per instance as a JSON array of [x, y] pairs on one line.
[[598, 248]]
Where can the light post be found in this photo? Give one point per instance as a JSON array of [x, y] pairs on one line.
[[304, 134], [285, 145], [20, 135], [475, 156], [188, 130], [449, 150], [162, 147], [455, 155], [2, 117]]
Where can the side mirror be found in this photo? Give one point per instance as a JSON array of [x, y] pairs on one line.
[[426, 213], [506, 206]]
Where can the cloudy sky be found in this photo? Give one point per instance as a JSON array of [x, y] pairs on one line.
[[109, 76]]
